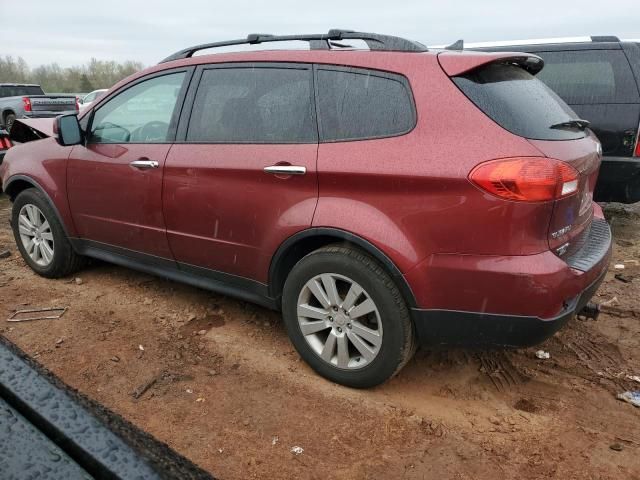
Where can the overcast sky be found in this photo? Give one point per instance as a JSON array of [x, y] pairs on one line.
[[70, 32]]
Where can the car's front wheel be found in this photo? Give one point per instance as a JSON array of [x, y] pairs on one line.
[[40, 237], [346, 317]]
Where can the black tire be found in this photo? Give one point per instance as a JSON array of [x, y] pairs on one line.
[[398, 340], [65, 260], [9, 118]]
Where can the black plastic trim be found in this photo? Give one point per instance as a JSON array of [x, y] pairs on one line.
[[84, 430], [550, 47], [289, 246], [595, 246], [26, 452], [374, 41], [219, 282], [460, 328]]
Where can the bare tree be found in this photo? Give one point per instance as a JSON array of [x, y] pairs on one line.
[[53, 78]]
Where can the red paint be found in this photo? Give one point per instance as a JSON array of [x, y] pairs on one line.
[[535, 285], [225, 213], [115, 203], [458, 246], [459, 62]]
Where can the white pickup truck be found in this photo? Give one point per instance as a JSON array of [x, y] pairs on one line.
[[29, 101]]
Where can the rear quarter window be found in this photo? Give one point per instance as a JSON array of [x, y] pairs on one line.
[[359, 104], [19, 90], [518, 102], [585, 77]]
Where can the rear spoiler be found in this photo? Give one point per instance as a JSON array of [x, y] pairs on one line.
[[457, 63]]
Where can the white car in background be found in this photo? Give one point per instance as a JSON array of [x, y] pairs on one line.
[[91, 97]]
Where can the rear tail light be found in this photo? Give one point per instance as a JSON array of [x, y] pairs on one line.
[[526, 179], [77, 105], [5, 143], [636, 152], [26, 102]]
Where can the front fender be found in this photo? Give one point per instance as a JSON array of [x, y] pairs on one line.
[[40, 164]]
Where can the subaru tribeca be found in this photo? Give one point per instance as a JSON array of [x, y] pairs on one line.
[[380, 198]]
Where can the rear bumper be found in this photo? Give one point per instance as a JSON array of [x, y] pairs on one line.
[[449, 327], [506, 301], [618, 180]]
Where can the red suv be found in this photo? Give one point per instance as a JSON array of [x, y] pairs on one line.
[[381, 198]]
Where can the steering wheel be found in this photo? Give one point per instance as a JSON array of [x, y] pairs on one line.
[[126, 134], [154, 130]]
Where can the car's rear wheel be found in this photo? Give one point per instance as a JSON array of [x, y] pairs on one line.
[[40, 237], [8, 121], [346, 317]]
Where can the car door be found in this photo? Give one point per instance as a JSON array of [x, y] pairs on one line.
[[241, 177], [114, 180]]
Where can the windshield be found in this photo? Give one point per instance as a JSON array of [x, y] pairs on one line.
[[519, 102], [19, 90]]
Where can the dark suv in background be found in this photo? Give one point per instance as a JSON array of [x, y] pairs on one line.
[[599, 77]]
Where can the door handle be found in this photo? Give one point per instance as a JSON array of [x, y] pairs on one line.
[[144, 164], [285, 170]]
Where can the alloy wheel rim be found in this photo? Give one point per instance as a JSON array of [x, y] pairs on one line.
[[36, 235], [339, 321]]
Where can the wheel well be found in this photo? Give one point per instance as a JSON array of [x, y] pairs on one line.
[[294, 249], [16, 187], [6, 113]]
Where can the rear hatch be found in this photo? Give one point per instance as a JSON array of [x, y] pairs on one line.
[[572, 215], [504, 87]]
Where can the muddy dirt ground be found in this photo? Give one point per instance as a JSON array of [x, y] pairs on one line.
[[231, 394]]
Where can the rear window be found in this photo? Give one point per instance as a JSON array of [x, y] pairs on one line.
[[357, 104], [518, 102], [589, 77], [19, 90]]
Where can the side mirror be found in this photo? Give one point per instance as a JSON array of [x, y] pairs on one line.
[[68, 130]]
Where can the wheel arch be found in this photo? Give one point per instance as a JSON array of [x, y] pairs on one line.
[[7, 111], [292, 250], [19, 183]]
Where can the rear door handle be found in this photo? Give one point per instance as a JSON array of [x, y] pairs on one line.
[[286, 170], [144, 164]]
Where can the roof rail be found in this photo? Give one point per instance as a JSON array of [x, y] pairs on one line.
[[605, 38], [457, 45], [537, 41], [320, 41]]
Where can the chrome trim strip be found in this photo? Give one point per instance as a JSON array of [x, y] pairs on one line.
[[285, 170], [144, 164]]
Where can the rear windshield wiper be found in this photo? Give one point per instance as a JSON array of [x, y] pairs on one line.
[[571, 125]]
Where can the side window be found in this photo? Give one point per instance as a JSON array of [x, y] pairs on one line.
[[361, 104], [90, 98], [140, 114], [253, 105], [584, 77]]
